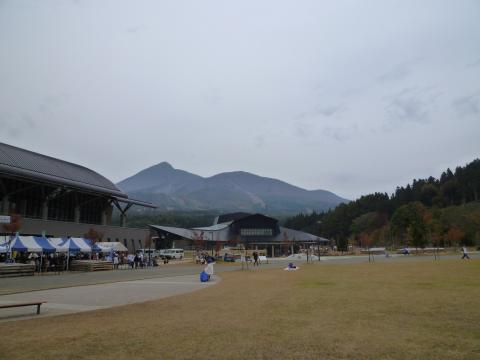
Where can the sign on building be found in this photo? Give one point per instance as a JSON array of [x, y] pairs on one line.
[[4, 219]]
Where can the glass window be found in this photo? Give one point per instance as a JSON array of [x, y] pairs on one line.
[[256, 232]]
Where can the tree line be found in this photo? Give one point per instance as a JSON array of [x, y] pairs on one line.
[[429, 212], [183, 219]]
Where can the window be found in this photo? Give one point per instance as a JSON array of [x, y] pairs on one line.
[[256, 232]]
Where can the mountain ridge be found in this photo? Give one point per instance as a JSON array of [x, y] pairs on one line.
[[176, 189]]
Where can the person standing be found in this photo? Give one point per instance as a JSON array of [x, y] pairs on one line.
[[209, 268], [465, 253], [115, 261]]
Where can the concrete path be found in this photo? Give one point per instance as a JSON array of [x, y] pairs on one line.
[[93, 297]]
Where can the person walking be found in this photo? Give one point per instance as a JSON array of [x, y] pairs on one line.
[[255, 259], [465, 253]]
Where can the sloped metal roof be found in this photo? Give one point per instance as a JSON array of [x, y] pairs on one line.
[[212, 234], [30, 165], [215, 227], [226, 218], [185, 233], [135, 202], [299, 236]]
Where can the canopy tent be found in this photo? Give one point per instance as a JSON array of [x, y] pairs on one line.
[[60, 244], [74, 245], [106, 247], [71, 245], [45, 244], [25, 244]]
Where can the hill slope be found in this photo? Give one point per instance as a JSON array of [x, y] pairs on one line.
[[173, 189]]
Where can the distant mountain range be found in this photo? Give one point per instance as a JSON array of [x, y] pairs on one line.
[[172, 189]]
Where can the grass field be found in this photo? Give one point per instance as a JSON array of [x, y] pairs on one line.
[[424, 310]]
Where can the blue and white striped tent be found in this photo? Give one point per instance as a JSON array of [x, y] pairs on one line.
[[25, 244], [59, 244], [75, 245], [109, 247], [45, 244], [3, 247]]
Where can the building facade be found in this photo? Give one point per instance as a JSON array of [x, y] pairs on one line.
[[59, 199], [252, 231]]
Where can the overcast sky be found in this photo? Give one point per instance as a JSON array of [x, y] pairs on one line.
[[349, 96]]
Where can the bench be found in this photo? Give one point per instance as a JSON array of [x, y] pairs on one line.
[[37, 303]]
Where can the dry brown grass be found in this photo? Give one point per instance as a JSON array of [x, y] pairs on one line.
[[366, 311]]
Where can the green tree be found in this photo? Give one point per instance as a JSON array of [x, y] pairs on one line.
[[409, 221], [428, 193], [450, 191]]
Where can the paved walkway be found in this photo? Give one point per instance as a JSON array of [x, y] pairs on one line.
[[93, 297], [71, 279]]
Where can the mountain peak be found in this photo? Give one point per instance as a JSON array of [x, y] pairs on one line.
[[163, 165]]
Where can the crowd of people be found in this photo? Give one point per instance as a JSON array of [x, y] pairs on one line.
[[43, 262], [59, 262]]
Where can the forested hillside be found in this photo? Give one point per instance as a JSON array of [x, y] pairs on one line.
[[184, 219], [428, 212]]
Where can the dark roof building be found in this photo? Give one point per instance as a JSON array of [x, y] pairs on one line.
[[249, 230], [28, 165], [40, 187]]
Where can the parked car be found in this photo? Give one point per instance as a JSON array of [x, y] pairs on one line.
[[172, 254], [149, 252], [228, 258]]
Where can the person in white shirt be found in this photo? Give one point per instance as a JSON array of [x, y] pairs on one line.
[[465, 253]]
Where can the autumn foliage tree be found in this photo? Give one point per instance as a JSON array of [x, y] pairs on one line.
[[455, 236], [14, 225], [286, 243], [93, 235], [218, 246]]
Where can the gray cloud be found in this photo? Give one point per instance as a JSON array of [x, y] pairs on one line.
[[331, 110], [408, 108], [133, 29], [14, 126], [474, 63], [340, 134], [411, 105], [467, 105], [259, 141], [322, 110], [399, 72], [303, 129]]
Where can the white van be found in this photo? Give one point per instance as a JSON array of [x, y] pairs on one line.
[[172, 253], [149, 252]]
